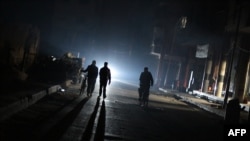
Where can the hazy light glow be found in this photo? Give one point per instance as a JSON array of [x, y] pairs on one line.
[[115, 71], [121, 72], [122, 68]]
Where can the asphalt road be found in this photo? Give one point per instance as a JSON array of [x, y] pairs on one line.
[[118, 117]]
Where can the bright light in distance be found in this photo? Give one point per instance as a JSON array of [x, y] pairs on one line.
[[115, 71], [122, 73], [120, 69]]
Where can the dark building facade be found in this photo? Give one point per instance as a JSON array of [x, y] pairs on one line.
[[223, 27]]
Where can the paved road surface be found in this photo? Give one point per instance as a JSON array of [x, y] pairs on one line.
[[118, 117]]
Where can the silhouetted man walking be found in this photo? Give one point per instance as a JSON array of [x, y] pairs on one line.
[[91, 76], [105, 78], [146, 80]]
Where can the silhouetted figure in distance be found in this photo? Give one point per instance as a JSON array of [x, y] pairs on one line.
[[92, 71], [146, 80], [233, 110], [105, 78]]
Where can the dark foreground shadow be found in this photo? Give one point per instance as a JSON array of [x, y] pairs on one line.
[[88, 132], [100, 131], [59, 129]]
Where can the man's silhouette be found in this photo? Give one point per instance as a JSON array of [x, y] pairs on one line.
[[146, 80], [105, 78], [92, 71]]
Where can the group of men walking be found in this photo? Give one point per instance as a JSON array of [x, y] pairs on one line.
[[146, 80], [92, 73]]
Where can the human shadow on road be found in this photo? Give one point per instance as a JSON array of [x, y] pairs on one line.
[[58, 130], [100, 130], [88, 132]]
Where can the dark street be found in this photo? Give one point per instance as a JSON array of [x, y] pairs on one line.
[[190, 58], [118, 117]]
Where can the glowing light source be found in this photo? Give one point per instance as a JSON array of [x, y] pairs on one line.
[[115, 71]]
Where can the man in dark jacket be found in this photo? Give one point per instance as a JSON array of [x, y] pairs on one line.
[[105, 78], [146, 80], [92, 71]]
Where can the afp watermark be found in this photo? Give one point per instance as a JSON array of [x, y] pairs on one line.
[[236, 131]]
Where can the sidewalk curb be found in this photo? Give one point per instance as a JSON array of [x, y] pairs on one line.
[[25, 102], [202, 106]]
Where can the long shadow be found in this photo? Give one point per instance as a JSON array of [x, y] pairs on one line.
[[88, 132], [59, 129], [100, 130]]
